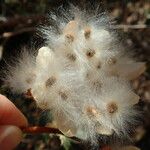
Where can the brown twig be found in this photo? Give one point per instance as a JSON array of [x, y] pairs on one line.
[[7, 35], [40, 130], [19, 22], [37, 129], [137, 26]]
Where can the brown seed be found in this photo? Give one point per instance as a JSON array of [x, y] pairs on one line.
[[112, 61], [90, 53], [43, 104], [28, 80], [99, 65], [69, 38], [28, 94], [87, 33], [92, 111], [112, 107], [63, 95], [87, 75], [71, 57], [97, 85], [50, 81]]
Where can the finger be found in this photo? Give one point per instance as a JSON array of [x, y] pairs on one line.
[[10, 136], [9, 114]]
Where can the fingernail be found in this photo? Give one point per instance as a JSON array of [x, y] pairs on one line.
[[10, 136]]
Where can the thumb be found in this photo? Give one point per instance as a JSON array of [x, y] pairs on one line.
[[10, 136]]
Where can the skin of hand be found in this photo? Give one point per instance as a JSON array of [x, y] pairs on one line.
[[10, 119]]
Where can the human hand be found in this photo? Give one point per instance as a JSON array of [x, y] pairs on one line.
[[10, 119]]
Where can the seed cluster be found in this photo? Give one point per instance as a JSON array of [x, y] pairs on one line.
[[83, 77]]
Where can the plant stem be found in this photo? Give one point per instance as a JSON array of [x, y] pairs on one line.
[[40, 130]]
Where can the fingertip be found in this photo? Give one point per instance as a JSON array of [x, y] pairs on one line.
[[2, 96], [10, 114], [10, 137]]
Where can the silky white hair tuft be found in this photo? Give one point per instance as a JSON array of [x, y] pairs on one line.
[[82, 76]]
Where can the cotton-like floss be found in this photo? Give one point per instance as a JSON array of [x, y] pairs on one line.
[[83, 75]]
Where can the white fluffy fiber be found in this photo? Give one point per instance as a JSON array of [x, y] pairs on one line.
[[83, 75]]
